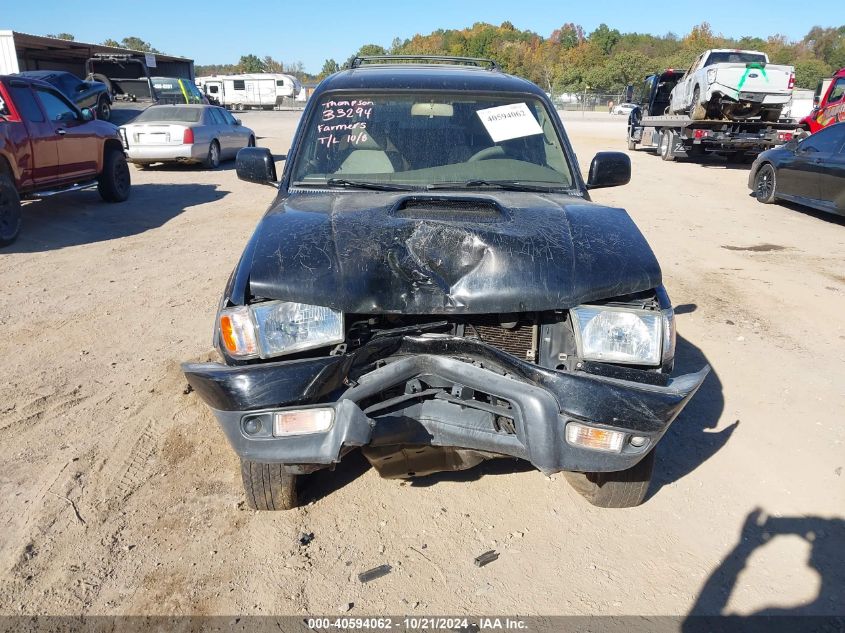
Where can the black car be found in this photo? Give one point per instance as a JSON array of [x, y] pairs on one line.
[[433, 285], [809, 172], [85, 94]]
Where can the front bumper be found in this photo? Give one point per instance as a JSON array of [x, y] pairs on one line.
[[166, 153], [540, 401]]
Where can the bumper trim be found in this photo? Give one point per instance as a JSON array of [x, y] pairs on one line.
[[543, 401]]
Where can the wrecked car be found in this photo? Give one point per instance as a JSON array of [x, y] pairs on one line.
[[433, 286]]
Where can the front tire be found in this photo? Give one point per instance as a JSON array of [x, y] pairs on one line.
[[765, 184], [268, 486], [698, 111], [103, 109], [212, 160], [10, 211], [622, 489], [114, 182]]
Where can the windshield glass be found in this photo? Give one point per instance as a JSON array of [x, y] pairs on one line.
[[170, 113], [435, 139], [734, 57]]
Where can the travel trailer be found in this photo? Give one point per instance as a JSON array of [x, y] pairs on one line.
[[257, 90]]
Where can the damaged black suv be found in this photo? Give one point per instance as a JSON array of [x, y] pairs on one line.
[[433, 285]]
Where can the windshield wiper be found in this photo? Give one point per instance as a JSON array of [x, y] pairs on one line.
[[355, 184], [508, 185]]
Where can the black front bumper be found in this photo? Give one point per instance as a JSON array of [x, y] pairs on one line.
[[542, 402]]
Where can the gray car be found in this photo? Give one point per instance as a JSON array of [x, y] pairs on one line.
[[185, 133]]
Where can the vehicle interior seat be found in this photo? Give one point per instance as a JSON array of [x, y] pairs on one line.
[[369, 156]]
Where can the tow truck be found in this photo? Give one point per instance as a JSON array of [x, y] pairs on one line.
[[828, 104], [679, 136]]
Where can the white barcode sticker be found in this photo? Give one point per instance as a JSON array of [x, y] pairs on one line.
[[505, 122]]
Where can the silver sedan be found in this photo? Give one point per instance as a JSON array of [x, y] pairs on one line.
[[185, 133]]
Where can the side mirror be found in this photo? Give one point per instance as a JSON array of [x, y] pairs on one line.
[[255, 164], [87, 115], [791, 145], [609, 169], [83, 86], [238, 122]]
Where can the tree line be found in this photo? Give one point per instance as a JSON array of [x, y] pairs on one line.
[[607, 60], [568, 60], [254, 64]]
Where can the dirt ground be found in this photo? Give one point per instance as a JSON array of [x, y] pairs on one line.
[[119, 495]]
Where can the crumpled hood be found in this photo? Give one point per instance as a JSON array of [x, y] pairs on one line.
[[363, 252]]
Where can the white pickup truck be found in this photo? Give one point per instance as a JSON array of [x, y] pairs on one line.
[[733, 84]]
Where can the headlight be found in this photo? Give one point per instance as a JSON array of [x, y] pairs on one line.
[[711, 75], [278, 327], [624, 335]]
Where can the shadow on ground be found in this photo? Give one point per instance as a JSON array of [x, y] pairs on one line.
[[72, 219], [324, 482], [826, 538], [692, 440]]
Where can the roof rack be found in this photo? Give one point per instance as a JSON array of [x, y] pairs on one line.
[[430, 59]]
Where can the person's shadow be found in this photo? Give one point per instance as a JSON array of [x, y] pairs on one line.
[[826, 538]]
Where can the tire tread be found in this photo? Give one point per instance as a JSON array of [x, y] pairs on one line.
[[268, 486]]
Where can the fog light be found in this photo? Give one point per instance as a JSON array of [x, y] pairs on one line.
[[638, 441], [593, 438], [252, 426], [302, 422]]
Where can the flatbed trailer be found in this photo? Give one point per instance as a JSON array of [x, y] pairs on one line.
[[678, 136]]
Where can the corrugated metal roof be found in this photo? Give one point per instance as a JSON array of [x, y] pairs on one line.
[[24, 39]]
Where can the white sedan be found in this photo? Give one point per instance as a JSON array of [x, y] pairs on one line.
[[199, 133], [624, 108]]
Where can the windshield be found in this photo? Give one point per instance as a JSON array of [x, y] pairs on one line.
[[436, 139], [184, 89], [735, 57], [170, 113]]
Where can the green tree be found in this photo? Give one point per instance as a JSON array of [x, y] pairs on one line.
[[63, 36], [371, 49], [329, 68], [604, 38], [628, 67], [111, 42], [808, 72], [568, 36], [365, 51], [137, 44], [250, 64], [828, 44], [272, 66]]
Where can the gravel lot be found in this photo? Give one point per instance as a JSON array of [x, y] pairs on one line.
[[121, 496]]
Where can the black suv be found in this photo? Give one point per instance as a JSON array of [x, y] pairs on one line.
[[433, 285], [85, 94]]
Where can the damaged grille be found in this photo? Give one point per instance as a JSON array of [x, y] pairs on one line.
[[517, 337]]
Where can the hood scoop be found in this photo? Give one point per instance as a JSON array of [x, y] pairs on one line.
[[448, 209]]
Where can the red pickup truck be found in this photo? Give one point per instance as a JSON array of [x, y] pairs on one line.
[[831, 107], [48, 145]]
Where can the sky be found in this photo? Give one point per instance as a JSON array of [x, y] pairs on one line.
[[313, 31]]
